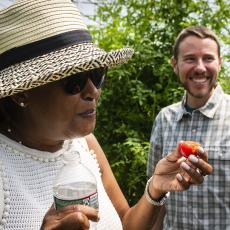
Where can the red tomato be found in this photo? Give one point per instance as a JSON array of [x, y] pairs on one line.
[[188, 147]]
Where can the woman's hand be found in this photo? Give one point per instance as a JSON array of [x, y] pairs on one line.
[[71, 217], [177, 173]]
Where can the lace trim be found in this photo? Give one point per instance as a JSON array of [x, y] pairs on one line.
[[11, 146], [92, 153], [6, 196], [10, 149]]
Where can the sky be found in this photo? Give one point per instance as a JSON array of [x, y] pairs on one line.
[[85, 7], [5, 3]]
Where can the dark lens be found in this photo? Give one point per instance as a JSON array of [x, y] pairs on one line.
[[97, 76], [75, 83]]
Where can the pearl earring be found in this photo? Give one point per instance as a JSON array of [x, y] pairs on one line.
[[22, 104], [9, 130]]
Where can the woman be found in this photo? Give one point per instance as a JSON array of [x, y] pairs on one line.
[[50, 77]]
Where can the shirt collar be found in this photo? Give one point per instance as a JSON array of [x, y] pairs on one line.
[[210, 107]]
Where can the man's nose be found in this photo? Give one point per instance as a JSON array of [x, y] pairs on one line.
[[200, 66]]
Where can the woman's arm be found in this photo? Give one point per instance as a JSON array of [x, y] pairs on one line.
[[111, 186], [143, 215]]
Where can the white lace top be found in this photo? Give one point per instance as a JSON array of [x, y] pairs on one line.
[[27, 176]]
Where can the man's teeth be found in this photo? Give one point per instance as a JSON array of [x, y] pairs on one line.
[[199, 80]]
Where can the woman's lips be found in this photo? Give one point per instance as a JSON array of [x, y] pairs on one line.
[[88, 112]]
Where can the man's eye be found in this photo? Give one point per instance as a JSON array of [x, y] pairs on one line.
[[189, 59], [208, 59]]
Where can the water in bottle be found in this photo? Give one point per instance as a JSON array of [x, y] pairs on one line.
[[75, 184]]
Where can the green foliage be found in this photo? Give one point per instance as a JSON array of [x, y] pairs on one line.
[[135, 92]]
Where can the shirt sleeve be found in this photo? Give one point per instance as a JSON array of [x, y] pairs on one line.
[[155, 152]]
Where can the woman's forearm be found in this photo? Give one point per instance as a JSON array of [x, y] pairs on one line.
[[144, 216]]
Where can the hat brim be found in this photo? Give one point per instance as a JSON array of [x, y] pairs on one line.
[[57, 65]]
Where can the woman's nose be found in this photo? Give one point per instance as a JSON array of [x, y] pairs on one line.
[[90, 91]]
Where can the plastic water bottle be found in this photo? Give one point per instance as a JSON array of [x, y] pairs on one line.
[[75, 184]]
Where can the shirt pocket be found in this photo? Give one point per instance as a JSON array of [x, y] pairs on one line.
[[219, 158]]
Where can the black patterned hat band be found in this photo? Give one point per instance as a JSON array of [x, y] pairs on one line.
[[42, 41]]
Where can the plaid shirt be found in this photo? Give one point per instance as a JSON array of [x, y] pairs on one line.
[[206, 206]]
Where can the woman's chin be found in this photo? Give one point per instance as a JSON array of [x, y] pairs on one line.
[[82, 132]]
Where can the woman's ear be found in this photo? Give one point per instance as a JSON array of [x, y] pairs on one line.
[[20, 99]]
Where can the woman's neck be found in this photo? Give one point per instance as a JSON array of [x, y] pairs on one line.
[[31, 139]]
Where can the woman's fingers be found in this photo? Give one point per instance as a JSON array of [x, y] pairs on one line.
[[75, 220], [72, 217], [183, 183], [202, 154], [193, 176], [201, 163], [91, 213], [196, 168]]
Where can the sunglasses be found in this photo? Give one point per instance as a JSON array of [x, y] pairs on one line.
[[75, 83]]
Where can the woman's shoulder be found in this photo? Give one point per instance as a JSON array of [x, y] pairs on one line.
[[94, 146]]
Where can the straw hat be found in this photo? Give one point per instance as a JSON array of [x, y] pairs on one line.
[[45, 40]]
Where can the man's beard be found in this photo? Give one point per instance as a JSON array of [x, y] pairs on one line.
[[212, 85]]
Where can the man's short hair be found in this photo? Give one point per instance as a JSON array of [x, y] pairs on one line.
[[198, 31]]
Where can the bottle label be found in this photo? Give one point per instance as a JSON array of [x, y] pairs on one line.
[[91, 200]]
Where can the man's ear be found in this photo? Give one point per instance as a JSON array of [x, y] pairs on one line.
[[21, 99], [174, 65], [220, 62]]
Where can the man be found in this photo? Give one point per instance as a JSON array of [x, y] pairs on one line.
[[203, 115]]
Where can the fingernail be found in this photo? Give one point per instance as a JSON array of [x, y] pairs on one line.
[[193, 159], [185, 166], [201, 150], [179, 177]]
